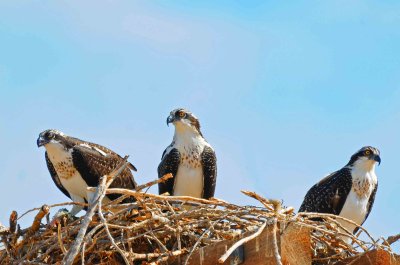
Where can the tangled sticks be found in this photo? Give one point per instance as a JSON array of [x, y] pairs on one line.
[[156, 229]]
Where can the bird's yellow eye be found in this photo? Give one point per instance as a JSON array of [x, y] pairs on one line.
[[181, 114], [367, 152]]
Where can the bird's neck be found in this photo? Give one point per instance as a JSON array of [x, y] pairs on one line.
[[364, 165], [364, 170], [56, 152], [187, 136]]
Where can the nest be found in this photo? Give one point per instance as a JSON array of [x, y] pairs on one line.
[[158, 229]]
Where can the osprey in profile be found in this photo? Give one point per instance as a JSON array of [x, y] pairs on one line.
[[75, 164], [189, 158], [348, 192]]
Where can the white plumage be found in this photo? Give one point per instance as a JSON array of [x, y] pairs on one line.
[[356, 205], [189, 178]]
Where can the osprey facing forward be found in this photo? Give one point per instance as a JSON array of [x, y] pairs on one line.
[[75, 164], [348, 192], [189, 158]]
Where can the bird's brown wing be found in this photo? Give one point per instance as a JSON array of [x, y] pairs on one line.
[[209, 163], [330, 194], [169, 164], [77, 142], [92, 165], [111, 152]]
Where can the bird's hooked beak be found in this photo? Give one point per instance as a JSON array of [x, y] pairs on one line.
[[376, 158], [40, 141], [170, 119]]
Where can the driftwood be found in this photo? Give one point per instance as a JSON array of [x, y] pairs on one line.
[[161, 229]]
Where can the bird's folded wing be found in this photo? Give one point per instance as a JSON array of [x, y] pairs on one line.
[[209, 163], [169, 164], [103, 149], [330, 194], [93, 164]]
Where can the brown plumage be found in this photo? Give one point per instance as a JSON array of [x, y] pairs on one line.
[[75, 164]]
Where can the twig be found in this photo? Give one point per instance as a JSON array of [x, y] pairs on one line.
[[223, 258], [335, 218], [104, 222], [151, 183], [392, 239], [60, 242], [13, 222], [83, 253], [160, 197], [275, 243], [38, 219], [264, 201], [52, 206], [196, 244]]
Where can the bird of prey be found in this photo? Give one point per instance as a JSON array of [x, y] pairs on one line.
[[189, 158], [75, 164], [348, 192]]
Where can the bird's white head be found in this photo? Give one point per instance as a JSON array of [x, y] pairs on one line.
[[184, 121], [365, 158], [49, 137]]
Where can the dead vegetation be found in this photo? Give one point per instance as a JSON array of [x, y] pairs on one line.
[[159, 229]]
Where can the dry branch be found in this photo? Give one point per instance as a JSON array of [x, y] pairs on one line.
[[157, 229], [44, 210], [154, 182], [392, 239], [241, 242], [13, 222]]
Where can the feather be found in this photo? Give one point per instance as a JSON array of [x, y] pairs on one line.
[[209, 163], [169, 164]]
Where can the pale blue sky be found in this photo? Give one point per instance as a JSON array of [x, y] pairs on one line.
[[286, 93]]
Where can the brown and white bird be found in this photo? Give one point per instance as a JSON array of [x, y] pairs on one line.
[[189, 158], [348, 192], [75, 165]]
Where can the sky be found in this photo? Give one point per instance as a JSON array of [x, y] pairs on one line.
[[285, 92]]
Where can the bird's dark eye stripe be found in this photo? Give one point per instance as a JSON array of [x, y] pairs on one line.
[[49, 135]]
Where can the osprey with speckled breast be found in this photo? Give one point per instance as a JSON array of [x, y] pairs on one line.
[[75, 165], [189, 158], [348, 192]]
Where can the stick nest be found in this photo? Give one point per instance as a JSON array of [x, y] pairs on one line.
[[157, 229]]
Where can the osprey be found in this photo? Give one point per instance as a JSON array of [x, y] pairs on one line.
[[348, 192], [75, 164], [189, 158]]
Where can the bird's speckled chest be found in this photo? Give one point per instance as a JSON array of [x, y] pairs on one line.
[[362, 188], [62, 162], [189, 177], [191, 156], [363, 184], [65, 169]]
